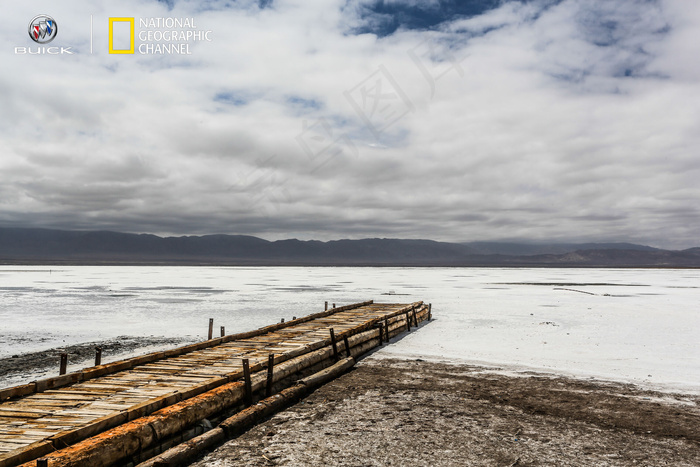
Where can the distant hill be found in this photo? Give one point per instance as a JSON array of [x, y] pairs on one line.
[[527, 249], [44, 246]]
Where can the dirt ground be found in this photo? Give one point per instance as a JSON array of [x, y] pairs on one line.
[[415, 413]]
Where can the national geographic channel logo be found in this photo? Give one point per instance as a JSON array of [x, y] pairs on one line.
[[42, 30], [157, 36]]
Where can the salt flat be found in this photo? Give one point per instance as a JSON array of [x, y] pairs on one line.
[[630, 325]]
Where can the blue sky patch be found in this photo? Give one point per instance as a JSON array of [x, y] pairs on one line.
[[234, 98], [302, 103], [384, 18]]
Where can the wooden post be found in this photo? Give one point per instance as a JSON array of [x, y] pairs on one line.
[[386, 329], [293, 318], [334, 305], [415, 318], [408, 322], [223, 331], [270, 369], [211, 328], [64, 364], [380, 326], [98, 356], [42, 462], [347, 346], [430, 311], [282, 320], [326, 307], [247, 383], [335, 345]]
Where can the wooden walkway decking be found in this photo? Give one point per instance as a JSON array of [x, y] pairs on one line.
[[44, 416]]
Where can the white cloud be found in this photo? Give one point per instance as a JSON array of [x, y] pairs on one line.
[[535, 133]]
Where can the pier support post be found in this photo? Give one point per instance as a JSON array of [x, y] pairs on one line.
[[347, 346], [223, 331], [335, 345], [64, 364], [408, 321], [334, 305], [98, 356], [247, 383], [415, 318], [386, 329], [211, 328], [380, 326], [430, 311], [325, 307], [270, 371]]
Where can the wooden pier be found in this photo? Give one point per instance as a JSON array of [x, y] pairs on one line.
[[125, 412]]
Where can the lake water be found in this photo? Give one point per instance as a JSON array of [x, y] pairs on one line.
[[622, 324]]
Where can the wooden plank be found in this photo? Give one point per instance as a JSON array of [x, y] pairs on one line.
[[8, 413]]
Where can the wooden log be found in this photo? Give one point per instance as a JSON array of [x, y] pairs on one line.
[[323, 376], [64, 364], [17, 391], [185, 453], [211, 329], [248, 388]]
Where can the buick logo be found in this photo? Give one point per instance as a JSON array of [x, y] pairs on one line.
[[43, 29]]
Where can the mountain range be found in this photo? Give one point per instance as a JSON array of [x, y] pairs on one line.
[[44, 246]]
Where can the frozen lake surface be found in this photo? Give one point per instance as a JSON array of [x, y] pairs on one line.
[[630, 325]]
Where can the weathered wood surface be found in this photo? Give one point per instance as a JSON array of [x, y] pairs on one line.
[[188, 451], [33, 425]]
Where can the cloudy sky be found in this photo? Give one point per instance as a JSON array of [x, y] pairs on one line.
[[565, 120]]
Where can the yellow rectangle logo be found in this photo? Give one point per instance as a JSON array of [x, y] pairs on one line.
[[129, 50]]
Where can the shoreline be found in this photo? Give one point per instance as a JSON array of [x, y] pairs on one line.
[[515, 369]]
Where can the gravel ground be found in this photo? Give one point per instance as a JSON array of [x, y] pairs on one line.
[[415, 413]]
